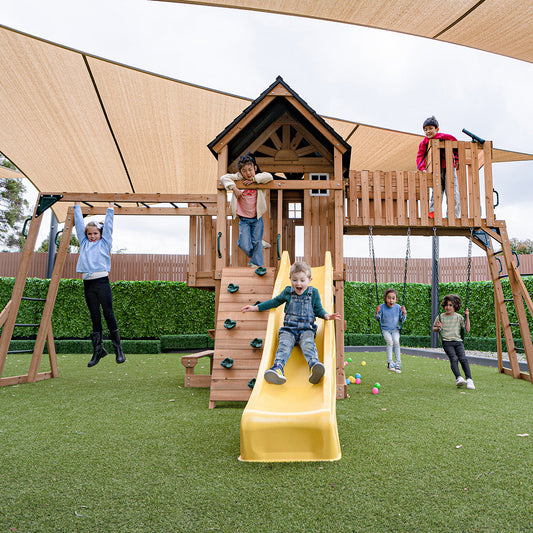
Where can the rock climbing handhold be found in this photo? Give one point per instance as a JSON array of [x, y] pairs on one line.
[[251, 383], [233, 288], [228, 323], [227, 362], [256, 343], [260, 271]]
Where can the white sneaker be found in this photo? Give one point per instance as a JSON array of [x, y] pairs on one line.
[[470, 384], [398, 369], [391, 367], [460, 382]]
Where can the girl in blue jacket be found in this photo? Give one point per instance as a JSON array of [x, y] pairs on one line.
[[391, 317], [95, 263]]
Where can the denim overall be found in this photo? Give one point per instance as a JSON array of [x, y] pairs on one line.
[[298, 328]]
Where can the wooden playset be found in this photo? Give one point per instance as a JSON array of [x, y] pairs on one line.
[[313, 187]]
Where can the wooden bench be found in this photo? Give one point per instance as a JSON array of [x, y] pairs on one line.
[[197, 380]]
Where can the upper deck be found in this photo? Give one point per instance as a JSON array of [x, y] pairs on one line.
[[393, 200]]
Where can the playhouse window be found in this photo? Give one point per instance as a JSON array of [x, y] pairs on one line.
[[295, 210], [319, 177]]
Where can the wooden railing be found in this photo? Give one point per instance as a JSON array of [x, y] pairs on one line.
[[401, 198]]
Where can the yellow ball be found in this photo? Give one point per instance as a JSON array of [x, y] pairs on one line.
[[352, 379], [363, 363]]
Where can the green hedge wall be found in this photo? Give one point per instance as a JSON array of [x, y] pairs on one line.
[[155, 309], [143, 309], [360, 306]]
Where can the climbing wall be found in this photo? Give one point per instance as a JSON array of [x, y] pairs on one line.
[[235, 360]]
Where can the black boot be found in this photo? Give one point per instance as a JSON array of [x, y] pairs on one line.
[[98, 348], [115, 339]]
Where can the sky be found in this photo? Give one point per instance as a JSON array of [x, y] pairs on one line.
[[359, 74]]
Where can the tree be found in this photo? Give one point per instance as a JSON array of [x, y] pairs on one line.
[[13, 210], [521, 247], [73, 246]]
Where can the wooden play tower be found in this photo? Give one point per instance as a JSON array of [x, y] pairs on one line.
[[314, 188]]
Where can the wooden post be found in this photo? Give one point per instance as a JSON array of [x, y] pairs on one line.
[[489, 199], [221, 256]]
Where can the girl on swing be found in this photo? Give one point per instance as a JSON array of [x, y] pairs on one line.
[[391, 316], [94, 264]]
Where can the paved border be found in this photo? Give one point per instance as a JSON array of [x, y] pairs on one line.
[[473, 359]]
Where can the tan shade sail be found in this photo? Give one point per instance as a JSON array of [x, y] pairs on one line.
[[76, 123], [499, 26]]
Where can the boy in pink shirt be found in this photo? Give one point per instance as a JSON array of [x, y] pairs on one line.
[[250, 206], [431, 130]]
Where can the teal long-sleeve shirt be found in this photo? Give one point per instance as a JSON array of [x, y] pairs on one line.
[[285, 297]]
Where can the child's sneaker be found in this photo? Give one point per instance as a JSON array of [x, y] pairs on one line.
[[470, 384], [317, 372], [398, 369], [275, 375], [391, 367], [460, 382]]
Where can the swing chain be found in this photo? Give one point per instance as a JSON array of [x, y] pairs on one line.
[[373, 256], [407, 256], [469, 266], [436, 255]]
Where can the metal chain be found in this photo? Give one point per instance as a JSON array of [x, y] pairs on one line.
[[469, 266], [407, 256], [373, 256], [436, 254]]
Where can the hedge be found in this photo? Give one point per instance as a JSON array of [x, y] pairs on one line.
[[156, 310], [143, 309]]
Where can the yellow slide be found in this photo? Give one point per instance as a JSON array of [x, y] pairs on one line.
[[295, 421]]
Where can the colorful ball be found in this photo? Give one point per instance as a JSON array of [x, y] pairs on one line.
[[375, 390], [345, 363], [350, 359], [347, 381], [357, 381], [363, 363], [357, 376], [352, 379], [377, 385]]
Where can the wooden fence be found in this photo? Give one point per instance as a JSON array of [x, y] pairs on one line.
[[168, 267]]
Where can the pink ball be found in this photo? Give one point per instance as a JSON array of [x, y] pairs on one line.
[[357, 381], [375, 390]]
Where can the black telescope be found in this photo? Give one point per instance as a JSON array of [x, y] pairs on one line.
[[475, 138]]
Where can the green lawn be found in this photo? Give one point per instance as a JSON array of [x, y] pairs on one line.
[[127, 448]]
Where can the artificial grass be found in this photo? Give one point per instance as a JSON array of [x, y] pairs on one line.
[[128, 448]]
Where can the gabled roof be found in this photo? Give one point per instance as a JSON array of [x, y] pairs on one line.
[[242, 137]]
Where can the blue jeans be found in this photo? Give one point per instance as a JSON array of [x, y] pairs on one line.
[[251, 239], [288, 337], [392, 339], [456, 195]]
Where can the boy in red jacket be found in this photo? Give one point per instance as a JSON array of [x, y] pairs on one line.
[[431, 130]]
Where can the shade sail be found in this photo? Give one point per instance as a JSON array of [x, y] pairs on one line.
[[499, 26], [77, 123]]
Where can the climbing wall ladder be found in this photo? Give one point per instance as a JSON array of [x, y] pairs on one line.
[[235, 360], [8, 317], [520, 295]]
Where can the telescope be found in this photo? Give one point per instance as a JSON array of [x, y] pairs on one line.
[[475, 138]]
